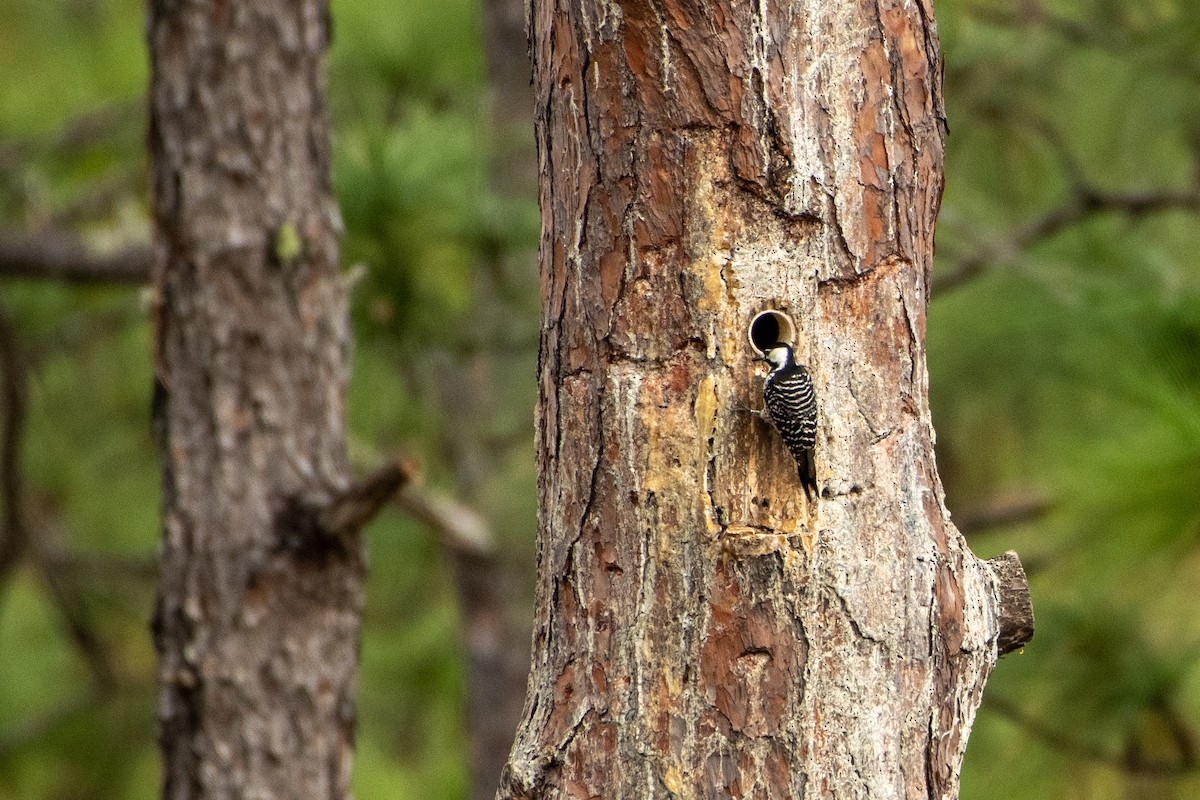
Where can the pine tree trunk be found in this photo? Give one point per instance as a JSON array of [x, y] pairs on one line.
[[258, 621], [702, 630]]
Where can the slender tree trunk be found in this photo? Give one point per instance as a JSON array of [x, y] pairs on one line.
[[702, 630], [258, 620]]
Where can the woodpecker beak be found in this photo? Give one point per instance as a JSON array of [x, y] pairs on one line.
[[759, 358]]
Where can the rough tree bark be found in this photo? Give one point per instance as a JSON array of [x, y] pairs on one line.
[[259, 610], [702, 631]]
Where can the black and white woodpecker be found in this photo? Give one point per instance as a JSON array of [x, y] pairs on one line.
[[791, 404]]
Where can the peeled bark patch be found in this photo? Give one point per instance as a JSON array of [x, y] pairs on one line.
[[702, 630]]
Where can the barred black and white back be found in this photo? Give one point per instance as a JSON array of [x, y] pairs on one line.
[[792, 404]]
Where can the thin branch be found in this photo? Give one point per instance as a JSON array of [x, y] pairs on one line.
[[61, 256], [67, 595], [72, 608], [34, 729], [1180, 729], [1015, 615], [67, 598], [1078, 748], [13, 535], [1035, 15], [1084, 204], [1002, 512], [77, 134], [99, 201], [461, 528], [100, 567], [358, 504]]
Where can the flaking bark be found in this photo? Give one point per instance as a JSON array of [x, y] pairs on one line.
[[258, 620], [701, 630]]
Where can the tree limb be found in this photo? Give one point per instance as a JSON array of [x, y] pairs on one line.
[[78, 134], [1000, 512], [61, 256], [1072, 746], [461, 528], [13, 535], [359, 503], [1016, 606], [68, 598], [1085, 203], [34, 729]]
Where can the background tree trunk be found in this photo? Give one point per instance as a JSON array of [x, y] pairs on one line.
[[702, 631], [481, 400], [258, 620]]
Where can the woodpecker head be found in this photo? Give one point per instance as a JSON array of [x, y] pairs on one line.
[[779, 356]]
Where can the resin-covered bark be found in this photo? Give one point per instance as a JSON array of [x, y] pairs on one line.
[[702, 631]]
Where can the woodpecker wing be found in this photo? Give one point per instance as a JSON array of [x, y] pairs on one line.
[[792, 403]]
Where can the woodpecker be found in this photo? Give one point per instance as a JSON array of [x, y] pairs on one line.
[[792, 405]]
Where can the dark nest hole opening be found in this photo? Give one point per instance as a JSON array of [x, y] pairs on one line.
[[769, 327]]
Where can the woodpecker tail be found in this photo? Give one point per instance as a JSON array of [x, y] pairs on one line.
[[808, 475]]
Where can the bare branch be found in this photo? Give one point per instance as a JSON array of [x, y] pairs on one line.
[[13, 535], [61, 256], [462, 529], [1016, 607], [100, 201], [34, 729], [77, 134], [1087, 202], [67, 597], [1180, 730], [1036, 15], [97, 566], [358, 504], [1003, 511], [1070, 745]]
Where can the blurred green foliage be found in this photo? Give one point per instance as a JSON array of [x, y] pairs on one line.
[[1065, 381], [1069, 370]]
